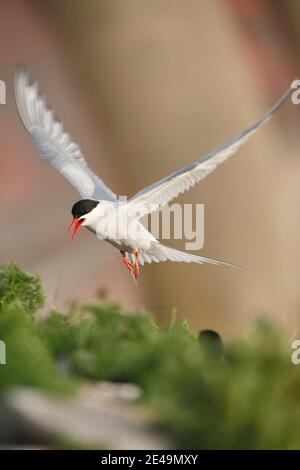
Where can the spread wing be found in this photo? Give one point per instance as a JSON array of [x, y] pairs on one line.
[[160, 193], [53, 142]]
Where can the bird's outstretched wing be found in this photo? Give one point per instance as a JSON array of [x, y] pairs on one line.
[[53, 142], [160, 193]]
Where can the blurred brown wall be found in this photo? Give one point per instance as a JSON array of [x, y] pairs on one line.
[[165, 82]]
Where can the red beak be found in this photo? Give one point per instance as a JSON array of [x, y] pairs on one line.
[[76, 224]]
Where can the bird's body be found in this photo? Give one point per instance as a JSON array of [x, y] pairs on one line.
[[110, 222], [99, 210]]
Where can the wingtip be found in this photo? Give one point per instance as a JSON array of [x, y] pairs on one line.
[[21, 77], [21, 70]]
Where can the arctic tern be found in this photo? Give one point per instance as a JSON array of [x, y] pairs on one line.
[[99, 209]]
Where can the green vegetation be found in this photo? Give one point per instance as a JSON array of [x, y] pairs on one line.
[[20, 288], [248, 398], [29, 362]]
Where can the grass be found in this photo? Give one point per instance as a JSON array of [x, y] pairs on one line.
[[246, 397]]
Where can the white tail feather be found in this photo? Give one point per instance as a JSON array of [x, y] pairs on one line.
[[158, 253]]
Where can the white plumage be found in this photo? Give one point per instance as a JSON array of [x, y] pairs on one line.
[[57, 149], [158, 194], [54, 143]]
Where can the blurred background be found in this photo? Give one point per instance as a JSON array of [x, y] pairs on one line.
[[146, 87]]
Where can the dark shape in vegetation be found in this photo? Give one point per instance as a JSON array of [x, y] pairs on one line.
[[212, 343]]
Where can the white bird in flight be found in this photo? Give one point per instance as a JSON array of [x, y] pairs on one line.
[[99, 209]]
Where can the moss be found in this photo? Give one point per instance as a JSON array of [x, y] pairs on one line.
[[247, 397], [205, 395], [18, 286], [28, 361]]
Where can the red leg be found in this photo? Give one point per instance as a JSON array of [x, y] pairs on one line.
[[126, 261], [136, 265]]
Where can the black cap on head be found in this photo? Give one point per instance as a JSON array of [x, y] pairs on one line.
[[83, 207]]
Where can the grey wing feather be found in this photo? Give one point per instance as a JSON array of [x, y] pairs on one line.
[[160, 193], [53, 142]]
